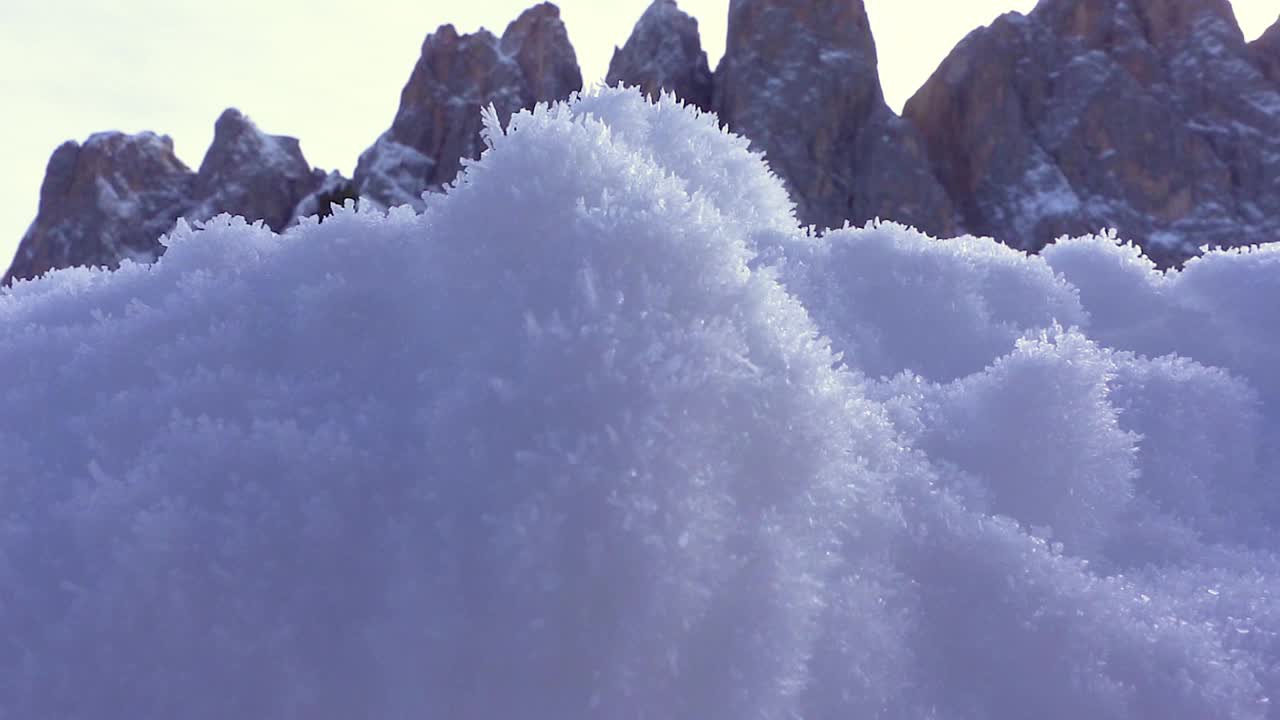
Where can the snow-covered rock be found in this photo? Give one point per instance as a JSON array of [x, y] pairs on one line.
[[1147, 116], [334, 189], [799, 78], [664, 54], [249, 173], [437, 125], [111, 199], [102, 202]]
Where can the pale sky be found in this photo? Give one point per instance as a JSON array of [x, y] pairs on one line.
[[328, 72]]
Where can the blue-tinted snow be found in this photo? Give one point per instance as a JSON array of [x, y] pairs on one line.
[[603, 433]]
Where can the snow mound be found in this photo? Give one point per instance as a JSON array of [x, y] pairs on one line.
[[892, 298], [601, 432]]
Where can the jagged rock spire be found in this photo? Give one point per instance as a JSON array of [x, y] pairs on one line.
[[112, 198], [664, 53], [1148, 116], [800, 79], [438, 122], [250, 173], [104, 201]]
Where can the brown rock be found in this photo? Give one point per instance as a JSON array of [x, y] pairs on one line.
[[113, 197], [249, 173], [101, 202], [664, 53], [800, 79], [438, 122], [1147, 116], [539, 44]]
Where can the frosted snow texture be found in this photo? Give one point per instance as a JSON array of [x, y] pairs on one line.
[[601, 432]]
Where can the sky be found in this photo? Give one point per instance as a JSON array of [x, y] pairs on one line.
[[327, 71]]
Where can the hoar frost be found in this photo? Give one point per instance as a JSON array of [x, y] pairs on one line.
[[601, 432]]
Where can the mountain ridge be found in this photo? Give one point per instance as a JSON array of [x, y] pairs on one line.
[[1025, 132]]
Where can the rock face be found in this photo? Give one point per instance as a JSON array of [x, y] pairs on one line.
[[438, 122], [249, 173], [1266, 52], [334, 189], [112, 198], [104, 201], [800, 79], [1149, 116], [664, 53]]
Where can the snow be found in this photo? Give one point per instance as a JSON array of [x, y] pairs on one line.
[[889, 298], [601, 432], [1051, 193]]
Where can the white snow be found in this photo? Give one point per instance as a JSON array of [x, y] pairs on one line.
[[600, 432]]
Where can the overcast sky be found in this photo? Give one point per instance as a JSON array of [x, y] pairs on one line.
[[327, 71]]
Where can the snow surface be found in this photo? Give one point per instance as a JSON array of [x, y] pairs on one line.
[[602, 433]]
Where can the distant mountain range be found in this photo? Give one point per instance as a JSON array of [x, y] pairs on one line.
[[1152, 117]]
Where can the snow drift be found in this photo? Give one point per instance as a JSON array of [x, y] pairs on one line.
[[602, 433]]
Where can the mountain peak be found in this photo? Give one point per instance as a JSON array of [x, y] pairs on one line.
[[1147, 116], [250, 173], [103, 201], [664, 53], [800, 79], [438, 122]]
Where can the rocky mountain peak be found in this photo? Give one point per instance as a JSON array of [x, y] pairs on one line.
[[438, 121], [1148, 116], [1153, 117], [104, 201], [539, 43], [1154, 22], [800, 79], [250, 173], [664, 53], [112, 197]]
